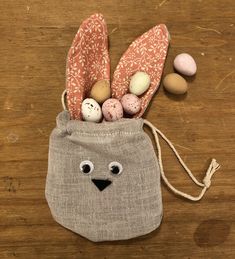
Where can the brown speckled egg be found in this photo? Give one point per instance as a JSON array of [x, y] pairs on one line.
[[131, 104], [100, 91], [112, 110]]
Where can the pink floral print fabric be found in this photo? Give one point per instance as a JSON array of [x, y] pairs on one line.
[[88, 61], [147, 53]]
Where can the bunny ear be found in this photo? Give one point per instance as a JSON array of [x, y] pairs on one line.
[[87, 62], [147, 53]]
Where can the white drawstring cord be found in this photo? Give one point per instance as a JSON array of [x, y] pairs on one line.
[[63, 100], [214, 166]]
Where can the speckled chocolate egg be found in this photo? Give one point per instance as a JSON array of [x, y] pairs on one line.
[[131, 104], [175, 84], [112, 110], [101, 91], [91, 110], [185, 64], [139, 83]]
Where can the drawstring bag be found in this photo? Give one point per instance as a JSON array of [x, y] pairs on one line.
[[103, 179]]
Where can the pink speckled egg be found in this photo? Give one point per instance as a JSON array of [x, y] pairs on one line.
[[130, 103], [185, 64], [112, 110]]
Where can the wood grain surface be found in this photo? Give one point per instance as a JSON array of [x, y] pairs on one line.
[[34, 40]]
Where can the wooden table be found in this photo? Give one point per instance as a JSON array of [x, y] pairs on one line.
[[35, 38]]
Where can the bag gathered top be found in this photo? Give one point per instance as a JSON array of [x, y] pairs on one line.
[[103, 179]]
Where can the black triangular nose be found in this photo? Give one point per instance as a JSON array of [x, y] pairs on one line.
[[101, 184]]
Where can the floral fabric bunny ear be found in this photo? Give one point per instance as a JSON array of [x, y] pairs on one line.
[[88, 61], [147, 53]]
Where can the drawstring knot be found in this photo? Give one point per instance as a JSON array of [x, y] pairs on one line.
[[207, 181], [214, 166]]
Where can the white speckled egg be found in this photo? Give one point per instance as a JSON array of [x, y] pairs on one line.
[[185, 64], [91, 110], [131, 104], [112, 110], [139, 83]]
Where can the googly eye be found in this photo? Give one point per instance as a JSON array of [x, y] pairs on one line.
[[115, 168], [86, 167]]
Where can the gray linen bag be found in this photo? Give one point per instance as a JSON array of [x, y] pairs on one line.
[[102, 204], [130, 206]]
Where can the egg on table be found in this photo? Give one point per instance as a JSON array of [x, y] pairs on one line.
[[139, 83], [131, 104], [91, 110], [185, 64], [175, 84], [112, 110]]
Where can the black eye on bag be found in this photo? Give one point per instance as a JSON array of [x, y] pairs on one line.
[[86, 167], [115, 168]]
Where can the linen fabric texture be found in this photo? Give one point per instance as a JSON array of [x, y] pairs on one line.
[[128, 207]]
